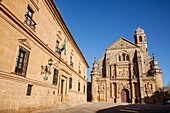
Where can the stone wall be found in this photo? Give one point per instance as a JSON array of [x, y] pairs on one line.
[[40, 42]]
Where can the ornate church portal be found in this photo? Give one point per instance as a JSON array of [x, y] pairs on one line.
[[124, 96]]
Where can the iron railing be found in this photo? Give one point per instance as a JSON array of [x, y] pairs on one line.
[[29, 21]]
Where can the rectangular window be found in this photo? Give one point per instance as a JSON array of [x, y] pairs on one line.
[[78, 86], [79, 70], [29, 88], [28, 18], [55, 77], [70, 83], [71, 62], [57, 49], [22, 61]]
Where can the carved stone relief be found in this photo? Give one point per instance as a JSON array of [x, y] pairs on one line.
[[113, 73], [101, 87], [123, 72], [124, 85]]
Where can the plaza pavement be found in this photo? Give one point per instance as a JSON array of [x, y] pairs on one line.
[[91, 107]]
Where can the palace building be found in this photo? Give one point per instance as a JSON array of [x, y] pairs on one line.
[[41, 66], [126, 73]]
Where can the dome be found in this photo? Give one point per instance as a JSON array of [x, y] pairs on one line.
[[139, 31]]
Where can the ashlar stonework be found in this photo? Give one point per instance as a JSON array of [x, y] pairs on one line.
[[126, 73]]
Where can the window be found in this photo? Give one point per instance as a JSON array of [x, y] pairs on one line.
[[123, 56], [22, 61], [57, 49], [78, 86], [84, 73], [29, 88], [151, 86], [135, 39], [28, 18], [55, 77], [70, 83], [127, 57], [140, 38], [71, 62], [119, 58], [79, 69]]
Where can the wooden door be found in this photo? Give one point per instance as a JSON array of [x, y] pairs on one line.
[[123, 96]]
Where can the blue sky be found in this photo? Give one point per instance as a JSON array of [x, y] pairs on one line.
[[96, 24]]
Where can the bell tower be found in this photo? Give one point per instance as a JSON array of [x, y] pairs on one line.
[[140, 40]]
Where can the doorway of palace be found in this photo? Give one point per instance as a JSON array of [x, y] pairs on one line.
[[62, 90], [124, 96]]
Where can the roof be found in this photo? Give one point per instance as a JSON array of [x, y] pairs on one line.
[[122, 43]]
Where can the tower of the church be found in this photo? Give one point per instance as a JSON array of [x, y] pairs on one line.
[[94, 87], [157, 72], [140, 40]]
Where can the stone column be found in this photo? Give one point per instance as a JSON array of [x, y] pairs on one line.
[[133, 93], [112, 90], [107, 89], [140, 76], [94, 89]]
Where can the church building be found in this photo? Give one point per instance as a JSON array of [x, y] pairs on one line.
[[126, 73]]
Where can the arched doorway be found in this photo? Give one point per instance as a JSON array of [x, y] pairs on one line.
[[124, 95]]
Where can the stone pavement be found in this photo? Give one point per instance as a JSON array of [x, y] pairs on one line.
[[91, 107]]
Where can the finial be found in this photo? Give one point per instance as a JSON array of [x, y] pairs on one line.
[[153, 56], [94, 59], [95, 65]]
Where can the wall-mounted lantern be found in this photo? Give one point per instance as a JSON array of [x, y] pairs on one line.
[[46, 69]]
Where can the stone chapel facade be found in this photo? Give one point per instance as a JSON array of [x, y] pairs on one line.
[[126, 73]]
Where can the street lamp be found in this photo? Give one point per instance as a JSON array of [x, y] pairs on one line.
[[46, 69], [50, 61]]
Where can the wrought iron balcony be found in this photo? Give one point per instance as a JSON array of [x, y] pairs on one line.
[[30, 21]]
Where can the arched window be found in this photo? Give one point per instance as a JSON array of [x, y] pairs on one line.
[[135, 37], [119, 58], [123, 56], [140, 38], [127, 57]]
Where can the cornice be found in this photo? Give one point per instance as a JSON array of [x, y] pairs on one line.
[[31, 33]]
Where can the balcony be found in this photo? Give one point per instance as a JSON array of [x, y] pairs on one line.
[[29, 21]]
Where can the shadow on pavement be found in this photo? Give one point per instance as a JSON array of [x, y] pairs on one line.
[[137, 108]]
